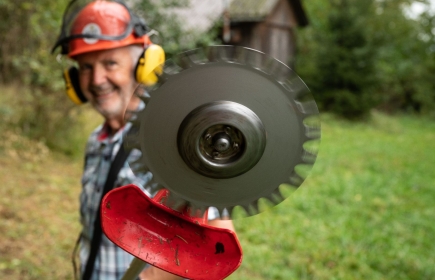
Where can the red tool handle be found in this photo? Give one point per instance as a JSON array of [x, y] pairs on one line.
[[168, 239]]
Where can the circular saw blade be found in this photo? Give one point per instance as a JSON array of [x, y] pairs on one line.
[[207, 94]]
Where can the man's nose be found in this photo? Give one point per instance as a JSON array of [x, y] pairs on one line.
[[99, 75]]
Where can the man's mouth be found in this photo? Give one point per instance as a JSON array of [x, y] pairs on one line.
[[102, 93]]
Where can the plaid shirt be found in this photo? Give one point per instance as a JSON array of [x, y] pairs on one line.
[[112, 261]]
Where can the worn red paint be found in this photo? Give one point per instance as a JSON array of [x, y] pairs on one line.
[[168, 239]]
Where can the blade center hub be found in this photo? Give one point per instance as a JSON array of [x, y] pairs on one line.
[[221, 143], [213, 139]]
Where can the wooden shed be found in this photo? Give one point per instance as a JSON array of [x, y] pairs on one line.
[[265, 25]]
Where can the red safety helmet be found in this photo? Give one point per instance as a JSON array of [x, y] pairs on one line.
[[99, 25]]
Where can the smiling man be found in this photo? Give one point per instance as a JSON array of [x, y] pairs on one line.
[[109, 44], [106, 79]]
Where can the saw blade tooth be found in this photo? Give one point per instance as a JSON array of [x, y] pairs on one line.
[[196, 210], [241, 55], [297, 85], [257, 60], [227, 54], [254, 208], [214, 54], [202, 210], [275, 197], [296, 180], [251, 208], [145, 97], [308, 107], [162, 78], [312, 126], [133, 117], [135, 122], [302, 91], [245, 208], [308, 157], [239, 212], [140, 169], [312, 132], [224, 212], [220, 53], [131, 141], [153, 187], [175, 202], [170, 69], [264, 204], [288, 88], [280, 71], [227, 212], [187, 59], [138, 166], [135, 162]]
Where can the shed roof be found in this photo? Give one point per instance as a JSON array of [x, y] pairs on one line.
[[202, 14], [251, 9]]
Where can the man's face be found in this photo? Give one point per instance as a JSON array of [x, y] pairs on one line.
[[107, 81]]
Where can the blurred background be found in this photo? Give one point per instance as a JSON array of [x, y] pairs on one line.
[[365, 212]]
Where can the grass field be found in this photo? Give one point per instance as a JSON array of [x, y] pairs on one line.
[[367, 210]]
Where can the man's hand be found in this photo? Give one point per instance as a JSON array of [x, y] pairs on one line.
[[228, 224], [154, 273]]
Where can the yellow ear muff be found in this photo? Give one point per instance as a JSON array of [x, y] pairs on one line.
[[150, 65], [72, 86]]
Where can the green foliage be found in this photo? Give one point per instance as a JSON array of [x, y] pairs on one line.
[[405, 58], [343, 76], [27, 28], [39, 109], [22, 112], [40, 112], [171, 34], [364, 54]]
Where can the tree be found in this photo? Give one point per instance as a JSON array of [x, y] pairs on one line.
[[405, 58], [365, 54], [342, 73], [172, 36]]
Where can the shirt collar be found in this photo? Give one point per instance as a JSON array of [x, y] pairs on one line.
[[104, 134]]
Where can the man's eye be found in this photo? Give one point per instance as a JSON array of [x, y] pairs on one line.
[[84, 67], [111, 63]]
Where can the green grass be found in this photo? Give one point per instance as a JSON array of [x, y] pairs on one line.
[[38, 217], [365, 212]]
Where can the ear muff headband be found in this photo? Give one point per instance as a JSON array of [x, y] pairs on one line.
[[149, 65], [72, 85]]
